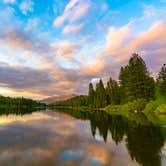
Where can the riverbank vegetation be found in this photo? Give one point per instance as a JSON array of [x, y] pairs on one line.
[[135, 90], [18, 105]]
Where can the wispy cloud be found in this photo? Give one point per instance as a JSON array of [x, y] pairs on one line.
[[9, 1], [70, 29], [26, 6], [74, 10], [79, 11], [64, 48], [32, 24]]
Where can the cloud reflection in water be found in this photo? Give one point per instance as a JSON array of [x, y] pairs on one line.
[[55, 139]]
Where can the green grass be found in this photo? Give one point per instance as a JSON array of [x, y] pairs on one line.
[[136, 105], [157, 106]]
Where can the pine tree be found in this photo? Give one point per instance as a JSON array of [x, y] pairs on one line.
[[100, 96], [112, 92], [135, 80], [125, 82], [91, 94], [162, 80]]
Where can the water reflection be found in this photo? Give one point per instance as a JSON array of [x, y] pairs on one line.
[[52, 138], [144, 140]]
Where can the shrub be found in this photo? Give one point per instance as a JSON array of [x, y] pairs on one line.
[[161, 108], [152, 106], [112, 108], [137, 105]]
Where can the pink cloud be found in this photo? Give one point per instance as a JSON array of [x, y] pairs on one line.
[[115, 38], [80, 11], [70, 29], [74, 10]]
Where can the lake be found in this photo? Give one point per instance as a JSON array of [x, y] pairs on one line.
[[77, 138]]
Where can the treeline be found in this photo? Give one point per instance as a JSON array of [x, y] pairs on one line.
[[19, 102], [134, 84]]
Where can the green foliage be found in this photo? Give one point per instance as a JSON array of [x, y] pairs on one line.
[[162, 80], [91, 95], [157, 106], [112, 108], [136, 105], [100, 95], [151, 106], [143, 139], [112, 92], [18, 102], [161, 109], [135, 81], [19, 106], [133, 91]]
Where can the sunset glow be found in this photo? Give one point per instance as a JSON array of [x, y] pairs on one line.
[[57, 47]]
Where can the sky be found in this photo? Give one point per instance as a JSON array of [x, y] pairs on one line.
[[56, 47]]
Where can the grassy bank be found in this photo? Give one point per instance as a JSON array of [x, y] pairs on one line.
[[155, 106]]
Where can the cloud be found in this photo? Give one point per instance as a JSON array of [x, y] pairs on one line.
[[64, 48], [149, 11], [95, 67], [27, 6], [46, 66], [48, 54], [70, 29], [32, 23], [150, 44], [80, 11], [60, 19], [23, 77], [154, 36], [19, 39], [71, 4], [74, 10], [30, 47], [116, 37], [9, 1], [122, 41], [7, 12]]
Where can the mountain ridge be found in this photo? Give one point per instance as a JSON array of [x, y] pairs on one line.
[[54, 99]]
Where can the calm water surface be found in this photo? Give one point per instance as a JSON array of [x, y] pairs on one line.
[[49, 138]]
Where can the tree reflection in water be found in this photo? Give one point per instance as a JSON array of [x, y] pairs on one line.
[[144, 140]]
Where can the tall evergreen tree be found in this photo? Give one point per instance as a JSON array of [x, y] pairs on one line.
[[91, 94], [100, 96], [112, 92], [135, 80], [162, 80]]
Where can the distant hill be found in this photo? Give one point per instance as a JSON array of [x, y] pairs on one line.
[[54, 99]]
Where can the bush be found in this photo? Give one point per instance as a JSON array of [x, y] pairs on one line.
[[152, 106], [136, 105], [112, 108], [161, 109]]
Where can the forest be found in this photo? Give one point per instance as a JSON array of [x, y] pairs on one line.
[[135, 90], [18, 105]]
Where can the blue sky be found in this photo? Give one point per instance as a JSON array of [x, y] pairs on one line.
[[65, 44]]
